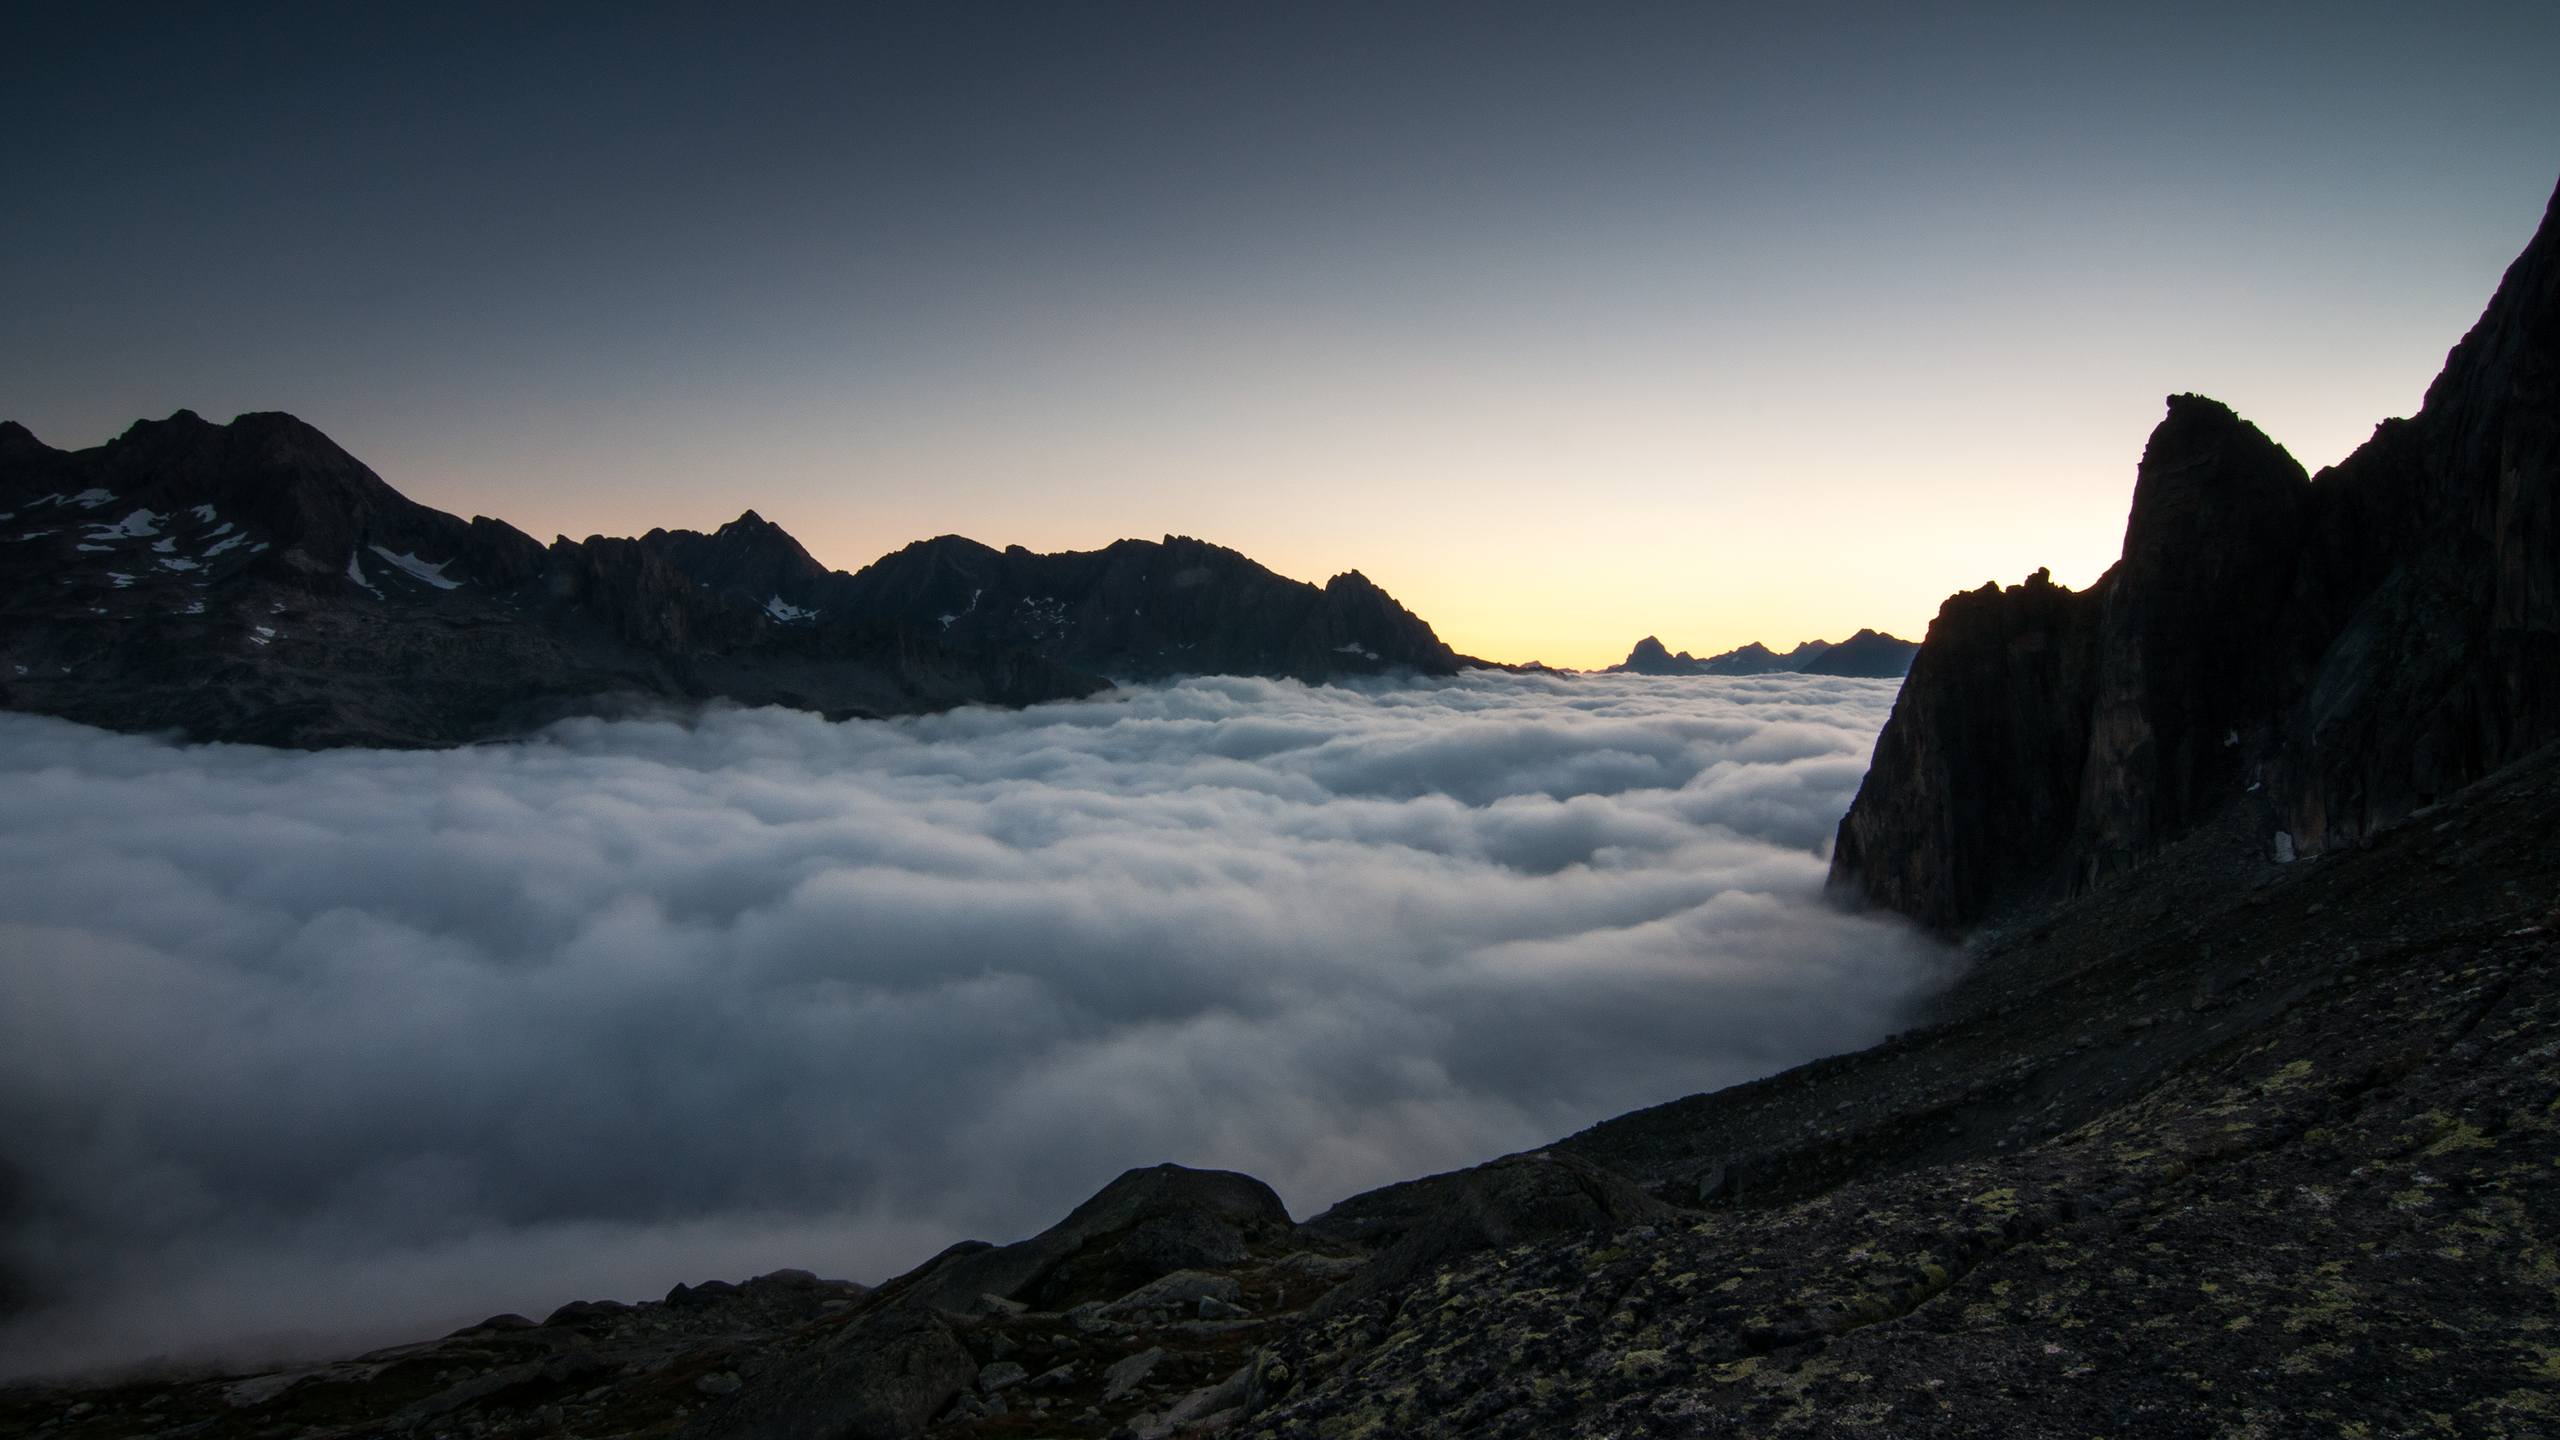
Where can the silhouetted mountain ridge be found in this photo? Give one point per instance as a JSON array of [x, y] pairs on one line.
[[253, 581], [1869, 653], [1139, 609]]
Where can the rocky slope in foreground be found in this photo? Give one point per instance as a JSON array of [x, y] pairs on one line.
[[254, 582], [2352, 647]]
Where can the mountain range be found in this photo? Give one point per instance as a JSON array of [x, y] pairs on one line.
[[1869, 653], [2242, 1121], [254, 582]]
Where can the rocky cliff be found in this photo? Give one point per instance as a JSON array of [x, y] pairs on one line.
[[2331, 652], [254, 582]]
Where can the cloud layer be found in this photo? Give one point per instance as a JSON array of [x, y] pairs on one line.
[[323, 1049]]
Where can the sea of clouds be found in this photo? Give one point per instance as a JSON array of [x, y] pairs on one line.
[[317, 1050]]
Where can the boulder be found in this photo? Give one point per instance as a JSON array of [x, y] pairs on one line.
[[1147, 1224]]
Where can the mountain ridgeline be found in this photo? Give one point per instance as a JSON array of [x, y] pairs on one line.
[[2333, 652], [1869, 653], [254, 582]]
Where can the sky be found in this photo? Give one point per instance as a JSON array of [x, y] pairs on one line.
[[1566, 324], [308, 1052]]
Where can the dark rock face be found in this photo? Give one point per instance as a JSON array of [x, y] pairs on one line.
[[1984, 771], [254, 582], [2353, 647], [2039, 723], [1869, 653], [2183, 620]]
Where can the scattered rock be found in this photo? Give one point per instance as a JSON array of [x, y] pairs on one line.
[[1120, 1379], [999, 1375], [1179, 1291]]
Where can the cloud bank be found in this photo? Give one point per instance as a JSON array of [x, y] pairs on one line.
[[317, 1050]]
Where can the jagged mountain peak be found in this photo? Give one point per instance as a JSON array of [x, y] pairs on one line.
[[179, 420], [2325, 655], [1651, 657], [750, 559]]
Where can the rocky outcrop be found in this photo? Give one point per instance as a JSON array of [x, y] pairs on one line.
[[2343, 649], [1141, 1227], [254, 582], [2183, 625], [1974, 784]]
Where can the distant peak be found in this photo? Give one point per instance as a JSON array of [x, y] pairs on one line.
[[748, 520], [275, 424], [2203, 406], [179, 422], [946, 546], [269, 426]]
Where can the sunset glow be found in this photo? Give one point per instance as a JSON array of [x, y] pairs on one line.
[[1755, 327]]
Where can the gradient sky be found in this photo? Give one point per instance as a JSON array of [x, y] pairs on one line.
[[1565, 323]]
